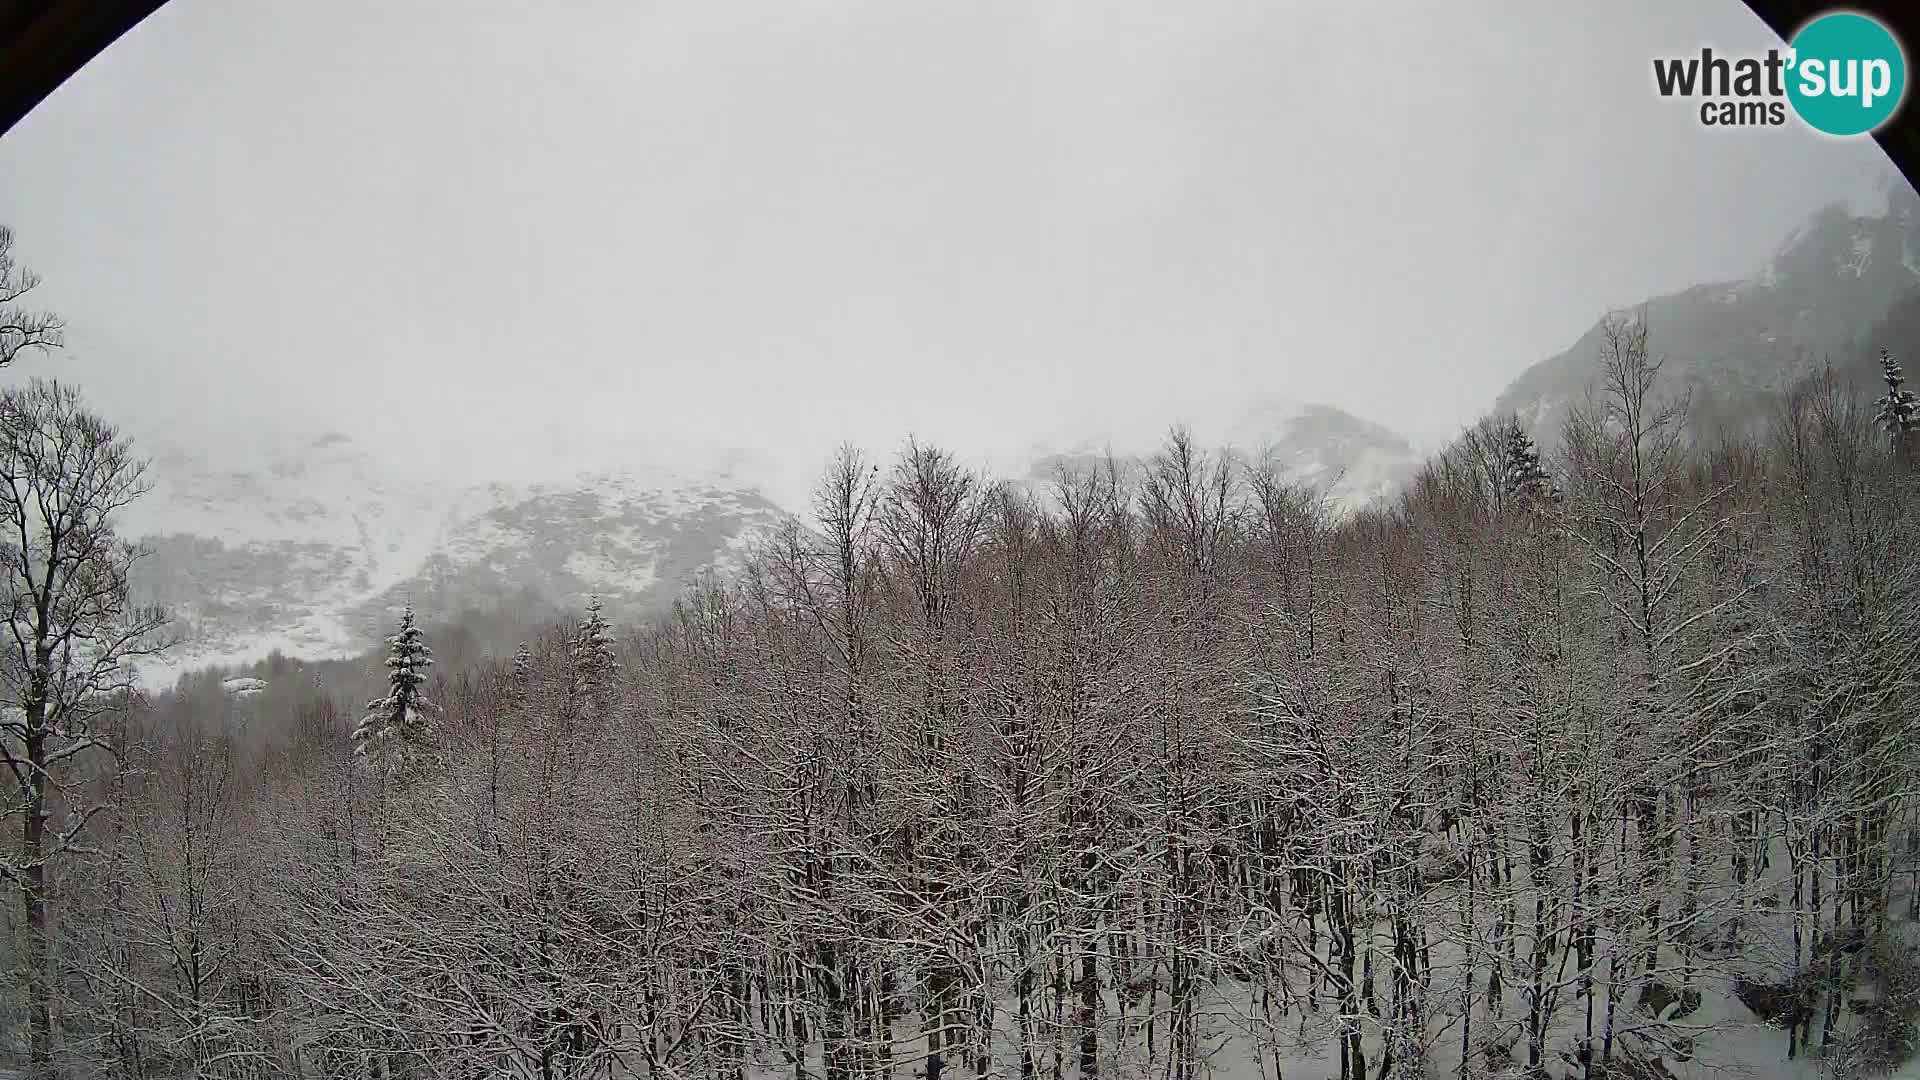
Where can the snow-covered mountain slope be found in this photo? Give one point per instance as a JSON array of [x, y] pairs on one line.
[[309, 547], [1353, 461], [1830, 283]]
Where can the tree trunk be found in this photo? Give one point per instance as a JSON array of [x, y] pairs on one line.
[[33, 890]]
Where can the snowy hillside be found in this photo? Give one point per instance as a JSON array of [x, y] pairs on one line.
[[1354, 461], [308, 547], [1830, 282]]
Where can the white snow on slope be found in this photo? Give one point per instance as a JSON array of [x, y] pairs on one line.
[[1353, 461], [302, 547], [309, 546]]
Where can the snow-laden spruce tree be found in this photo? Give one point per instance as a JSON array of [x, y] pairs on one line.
[[594, 660], [1526, 481], [522, 673], [396, 735], [1897, 411]]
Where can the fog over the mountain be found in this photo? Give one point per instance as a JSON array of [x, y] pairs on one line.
[[483, 235], [468, 703]]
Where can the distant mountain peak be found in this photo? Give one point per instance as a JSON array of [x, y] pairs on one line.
[[310, 545], [1831, 280], [1875, 192]]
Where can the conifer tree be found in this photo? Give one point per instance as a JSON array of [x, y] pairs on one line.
[[1898, 413], [594, 661], [522, 672], [397, 732], [1526, 481]]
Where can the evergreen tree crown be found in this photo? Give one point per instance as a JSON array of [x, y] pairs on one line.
[[397, 729], [1897, 410]]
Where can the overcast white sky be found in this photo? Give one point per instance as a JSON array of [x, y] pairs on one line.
[[459, 227]]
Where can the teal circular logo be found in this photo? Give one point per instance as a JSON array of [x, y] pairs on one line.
[[1847, 74]]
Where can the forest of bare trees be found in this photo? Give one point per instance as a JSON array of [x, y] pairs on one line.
[[1568, 767]]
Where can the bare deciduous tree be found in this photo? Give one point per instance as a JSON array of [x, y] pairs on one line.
[[73, 630], [22, 329]]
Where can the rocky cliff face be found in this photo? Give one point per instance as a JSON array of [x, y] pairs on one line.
[[311, 547], [1730, 343]]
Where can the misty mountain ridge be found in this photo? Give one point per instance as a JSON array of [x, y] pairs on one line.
[[1733, 344], [310, 549], [1352, 461], [310, 544]]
